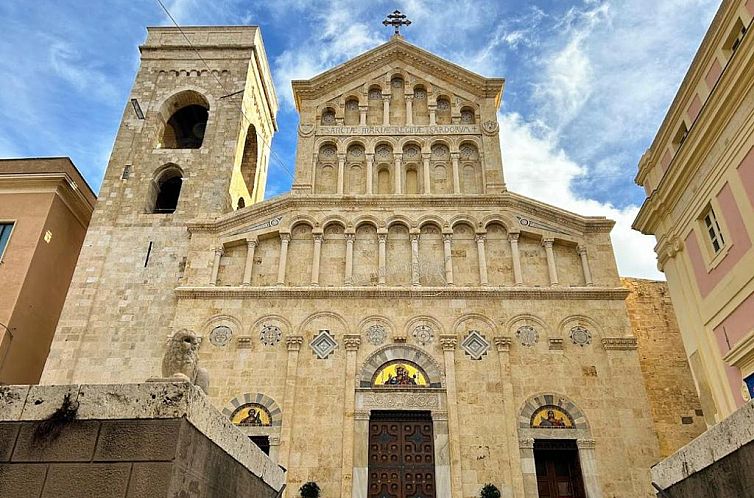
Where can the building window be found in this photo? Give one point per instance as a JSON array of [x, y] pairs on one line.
[[713, 230], [680, 135], [735, 38], [166, 189], [5, 230]]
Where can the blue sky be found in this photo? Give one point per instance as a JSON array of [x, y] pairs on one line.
[[587, 82]]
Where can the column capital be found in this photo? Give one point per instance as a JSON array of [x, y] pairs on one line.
[[503, 343], [586, 444], [447, 237], [581, 249], [547, 241], [526, 443], [480, 237], [285, 237], [294, 342], [414, 237], [432, 106], [409, 97], [387, 97], [352, 342], [251, 242], [350, 237], [341, 156], [381, 237], [219, 251], [426, 156], [448, 342], [363, 107], [318, 237], [455, 155], [513, 237], [369, 156]]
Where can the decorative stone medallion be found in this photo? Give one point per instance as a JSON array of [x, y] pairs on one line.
[[323, 344], [270, 335], [420, 94], [411, 152], [356, 151], [475, 345], [443, 105], [220, 336], [467, 151], [581, 336], [382, 152], [490, 127], [423, 334], [328, 151], [376, 334], [467, 116], [527, 335], [440, 152], [328, 118]]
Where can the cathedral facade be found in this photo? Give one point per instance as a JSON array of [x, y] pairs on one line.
[[399, 324]]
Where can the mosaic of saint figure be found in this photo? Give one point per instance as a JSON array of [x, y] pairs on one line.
[[551, 417], [400, 374], [251, 415], [401, 378]]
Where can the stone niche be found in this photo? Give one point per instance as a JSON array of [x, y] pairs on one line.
[[126, 440]]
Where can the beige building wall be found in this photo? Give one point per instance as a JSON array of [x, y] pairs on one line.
[[701, 166], [676, 411], [399, 241], [50, 206]]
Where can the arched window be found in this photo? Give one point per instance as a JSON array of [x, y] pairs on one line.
[[167, 190], [184, 117], [443, 111], [352, 114], [328, 116], [241, 203]]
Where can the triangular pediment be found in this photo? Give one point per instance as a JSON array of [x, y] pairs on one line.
[[396, 50]]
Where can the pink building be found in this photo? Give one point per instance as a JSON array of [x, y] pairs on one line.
[[699, 178]]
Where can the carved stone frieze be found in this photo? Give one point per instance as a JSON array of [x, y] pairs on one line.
[[619, 343], [400, 400]]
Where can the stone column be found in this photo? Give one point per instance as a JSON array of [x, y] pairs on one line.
[[551, 268], [216, 265], [448, 344], [456, 175], [432, 114], [370, 173], [316, 256], [382, 254], [398, 173], [427, 179], [363, 115], [528, 467], [517, 277], [511, 471], [386, 110], [482, 259], [349, 258], [588, 462], [285, 238], [414, 259], [352, 342], [409, 110], [585, 265], [446, 239], [289, 397], [251, 246], [341, 171], [360, 455]]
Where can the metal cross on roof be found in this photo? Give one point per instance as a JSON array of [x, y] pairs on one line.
[[396, 20]]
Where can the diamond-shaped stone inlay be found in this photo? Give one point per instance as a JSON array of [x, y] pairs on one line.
[[376, 334], [323, 344], [581, 336], [475, 345], [423, 334], [527, 335], [270, 335]]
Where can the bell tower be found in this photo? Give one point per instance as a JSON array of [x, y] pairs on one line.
[[192, 145]]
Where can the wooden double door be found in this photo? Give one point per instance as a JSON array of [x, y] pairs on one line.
[[558, 469], [401, 455]]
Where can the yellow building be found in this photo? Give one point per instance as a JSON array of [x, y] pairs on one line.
[[699, 178]]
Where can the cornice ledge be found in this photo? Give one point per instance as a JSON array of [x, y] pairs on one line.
[[513, 293]]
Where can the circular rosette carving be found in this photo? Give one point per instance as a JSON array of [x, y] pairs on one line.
[[376, 334], [490, 127], [305, 130], [527, 335], [220, 336], [270, 335], [581, 336], [423, 334]]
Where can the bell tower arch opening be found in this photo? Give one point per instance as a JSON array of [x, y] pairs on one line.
[[184, 117]]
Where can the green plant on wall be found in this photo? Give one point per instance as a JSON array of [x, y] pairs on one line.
[[489, 491], [311, 490]]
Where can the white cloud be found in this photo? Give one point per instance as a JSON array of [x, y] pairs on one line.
[[537, 167]]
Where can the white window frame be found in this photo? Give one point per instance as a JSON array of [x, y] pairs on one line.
[[13, 224], [713, 257]]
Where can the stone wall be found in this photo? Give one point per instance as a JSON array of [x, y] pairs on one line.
[[716, 465], [156, 440], [676, 411]]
